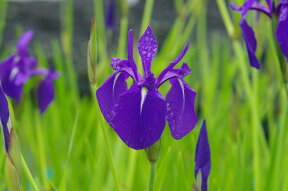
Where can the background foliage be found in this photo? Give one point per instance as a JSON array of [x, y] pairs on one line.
[[71, 147]]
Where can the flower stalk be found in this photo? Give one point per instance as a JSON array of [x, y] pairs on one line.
[[152, 176], [152, 154]]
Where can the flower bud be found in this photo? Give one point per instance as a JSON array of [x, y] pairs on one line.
[[92, 53], [152, 152]]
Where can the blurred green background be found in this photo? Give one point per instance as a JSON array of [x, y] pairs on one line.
[[71, 147]]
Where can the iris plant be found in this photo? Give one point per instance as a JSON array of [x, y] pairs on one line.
[[279, 11], [202, 160], [18, 68], [138, 114]]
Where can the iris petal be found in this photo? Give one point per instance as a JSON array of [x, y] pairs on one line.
[[282, 30], [45, 94], [109, 92], [147, 48], [181, 115], [178, 73], [251, 43], [23, 43], [8, 74], [124, 66], [172, 64], [4, 117], [139, 117], [132, 63], [202, 158]]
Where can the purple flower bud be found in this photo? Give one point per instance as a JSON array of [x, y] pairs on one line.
[[202, 160]]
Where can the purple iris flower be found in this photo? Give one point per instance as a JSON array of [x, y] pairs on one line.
[[110, 15], [202, 159], [138, 114], [4, 119], [18, 68], [280, 11]]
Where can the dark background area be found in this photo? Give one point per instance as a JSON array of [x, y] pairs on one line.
[[43, 17]]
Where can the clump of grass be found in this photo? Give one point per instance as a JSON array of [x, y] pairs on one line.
[[71, 147]]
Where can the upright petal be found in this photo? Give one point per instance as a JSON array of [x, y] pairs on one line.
[[45, 94], [107, 95], [251, 43], [181, 115], [282, 30], [139, 117], [4, 117], [202, 158], [23, 43], [147, 48], [130, 55]]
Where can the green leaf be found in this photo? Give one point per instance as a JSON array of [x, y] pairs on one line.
[[12, 177]]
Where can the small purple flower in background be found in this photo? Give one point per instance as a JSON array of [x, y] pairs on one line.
[[202, 160], [18, 68], [110, 15], [138, 114], [280, 11]]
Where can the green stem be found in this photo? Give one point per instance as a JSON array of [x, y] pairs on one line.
[[147, 15], [28, 174], [152, 176], [122, 37], [41, 151], [250, 94]]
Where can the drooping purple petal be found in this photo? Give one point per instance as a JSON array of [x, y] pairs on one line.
[[172, 64], [139, 117], [4, 117], [107, 95], [282, 30], [251, 43], [181, 115], [110, 15], [202, 158], [147, 48], [8, 73], [45, 94], [23, 43]]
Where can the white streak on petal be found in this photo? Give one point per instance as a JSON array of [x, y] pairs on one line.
[[183, 93], [114, 83], [13, 73], [143, 97]]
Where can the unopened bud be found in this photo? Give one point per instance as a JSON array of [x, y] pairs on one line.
[[92, 53], [152, 152]]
